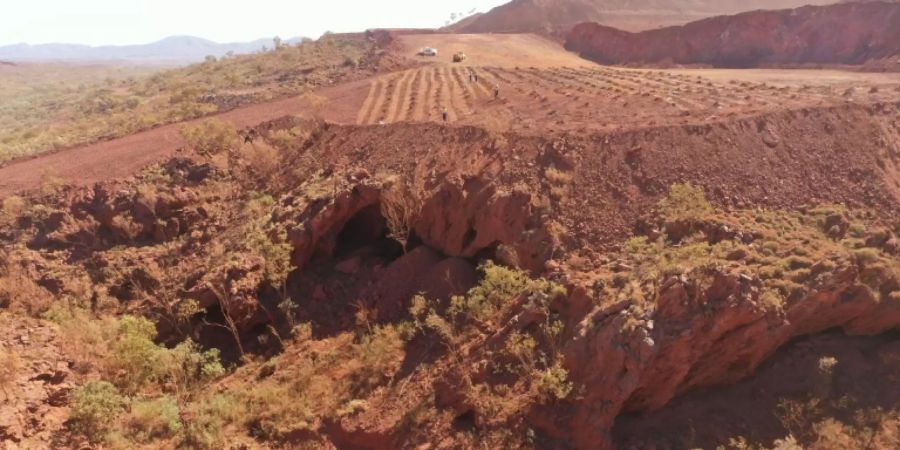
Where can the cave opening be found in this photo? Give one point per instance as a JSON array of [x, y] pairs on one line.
[[367, 232]]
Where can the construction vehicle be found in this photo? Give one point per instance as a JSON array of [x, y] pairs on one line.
[[459, 57]]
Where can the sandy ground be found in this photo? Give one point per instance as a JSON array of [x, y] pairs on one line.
[[784, 77], [497, 50]]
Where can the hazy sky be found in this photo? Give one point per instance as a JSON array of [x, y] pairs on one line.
[[101, 22]]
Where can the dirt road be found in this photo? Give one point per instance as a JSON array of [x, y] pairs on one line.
[[124, 156]]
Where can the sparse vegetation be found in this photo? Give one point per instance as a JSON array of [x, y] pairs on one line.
[[44, 110]]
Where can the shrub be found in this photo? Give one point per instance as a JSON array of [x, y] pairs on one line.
[[12, 207], [685, 202], [210, 417], [188, 366], [152, 419], [499, 285], [554, 382], [262, 158], [135, 359], [866, 256], [211, 137], [126, 354], [94, 408]]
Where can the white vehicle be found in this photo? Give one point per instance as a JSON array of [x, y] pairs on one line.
[[429, 51]]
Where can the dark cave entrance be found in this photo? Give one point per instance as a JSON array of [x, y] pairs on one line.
[[367, 232]]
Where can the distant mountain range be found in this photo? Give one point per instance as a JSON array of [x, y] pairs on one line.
[[174, 49]]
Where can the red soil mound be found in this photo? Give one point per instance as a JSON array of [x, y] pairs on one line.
[[793, 36]]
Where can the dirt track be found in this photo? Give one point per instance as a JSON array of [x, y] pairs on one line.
[[543, 89], [122, 157]]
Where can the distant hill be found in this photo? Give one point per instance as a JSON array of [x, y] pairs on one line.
[[844, 33], [174, 49], [556, 17]]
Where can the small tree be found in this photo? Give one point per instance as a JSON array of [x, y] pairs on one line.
[[400, 208]]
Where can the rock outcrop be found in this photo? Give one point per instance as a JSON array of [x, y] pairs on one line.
[[868, 31]]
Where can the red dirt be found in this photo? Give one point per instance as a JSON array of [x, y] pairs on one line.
[[577, 97], [869, 31], [556, 17], [122, 157]]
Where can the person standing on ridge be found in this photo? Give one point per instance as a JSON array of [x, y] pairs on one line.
[[496, 91], [444, 114]]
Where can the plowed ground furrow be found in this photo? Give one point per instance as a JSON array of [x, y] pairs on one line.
[[391, 114], [404, 94], [441, 94], [548, 76], [681, 99], [452, 98], [593, 80], [390, 94], [480, 87], [504, 76], [419, 95], [545, 85], [486, 82], [463, 86], [428, 95], [504, 79], [437, 89], [366, 111]]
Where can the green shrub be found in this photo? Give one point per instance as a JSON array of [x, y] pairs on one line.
[[499, 286], [554, 382], [153, 419], [210, 417], [685, 202], [211, 137], [135, 359], [94, 408], [188, 366]]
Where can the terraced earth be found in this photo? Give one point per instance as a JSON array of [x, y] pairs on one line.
[[590, 98]]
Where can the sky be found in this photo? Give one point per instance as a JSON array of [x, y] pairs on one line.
[[125, 22]]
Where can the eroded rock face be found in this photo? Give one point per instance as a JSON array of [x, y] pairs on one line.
[[869, 32], [461, 218], [234, 287], [707, 328], [38, 381], [467, 216], [108, 214]]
